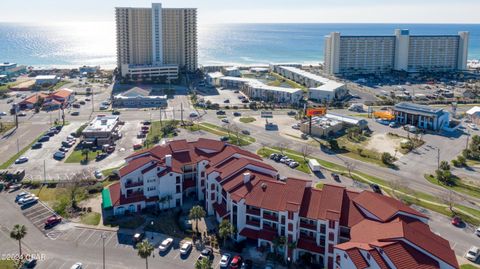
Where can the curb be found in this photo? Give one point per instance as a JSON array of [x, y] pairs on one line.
[[96, 228]]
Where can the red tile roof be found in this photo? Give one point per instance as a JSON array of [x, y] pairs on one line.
[[323, 204], [277, 195], [179, 145], [357, 258], [136, 164], [209, 144], [32, 99], [378, 259], [405, 256], [62, 93], [220, 209], [115, 193], [383, 207]]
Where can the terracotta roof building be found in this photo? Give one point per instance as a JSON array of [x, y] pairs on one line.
[[333, 228]]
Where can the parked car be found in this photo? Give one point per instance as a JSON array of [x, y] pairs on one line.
[[29, 201], [207, 253], [236, 262], [477, 231], [457, 221], [138, 237], [224, 138], [186, 247], [30, 263], [473, 126], [37, 145], [220, 112], [245, 132], [21, 195], [3, 113], [101, 156], [193, 115], [63, 149], [227, 101], [336, 177], [141, 135], [376, 188], [165, 245], [472, 254], [22, 114], [296, 126], [225, 260], [20, 160], [98, 174], [44, 138], [225, 121], [392, 125], [137, 146], [75, 113], [77, 265], [52, 221], [237, 114], [76, 105], [293, 164], [291, 113], [147, 122], [272, 156], [59, 155]]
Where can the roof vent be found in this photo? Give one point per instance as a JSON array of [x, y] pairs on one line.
[[264, 186], [168, 160], [246, 178]]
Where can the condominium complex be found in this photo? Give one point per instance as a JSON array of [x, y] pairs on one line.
[[351, 55], [156, 41], [332, 227]]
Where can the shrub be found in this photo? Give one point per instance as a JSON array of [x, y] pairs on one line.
[[98, 187], [387, 158]]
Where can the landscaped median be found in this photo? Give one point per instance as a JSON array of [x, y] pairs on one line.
[[409, 196], [457, 186], [234, 137]]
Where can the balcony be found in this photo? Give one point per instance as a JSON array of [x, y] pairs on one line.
[[270, 217], [133, 184], [270, 229], [134, 194], [253, 211], [253, 223], [308, 226], [308, 238]]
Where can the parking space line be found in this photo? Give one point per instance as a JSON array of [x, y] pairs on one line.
[[66, 236], [83, 230], [62, 264], [112, 234], [88, 238]]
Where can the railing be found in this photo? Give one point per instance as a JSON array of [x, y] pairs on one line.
[[253, 223], [252, 211], [133, 184], [271, 229], [270, 217], [308, 226]]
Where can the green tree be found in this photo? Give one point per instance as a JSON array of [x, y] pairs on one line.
[[196, 214], [444, 166], [85, 154], [387, 158], [203, 264], [145, 250], [18, 233], [225, 230], [278, 242]]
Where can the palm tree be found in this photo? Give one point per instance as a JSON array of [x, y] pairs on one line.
[[203, 264], [145, 250], [18, 233], [225, 230], [196, 214], [85, 154]]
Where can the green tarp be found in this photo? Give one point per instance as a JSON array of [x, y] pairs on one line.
[[106, 200]]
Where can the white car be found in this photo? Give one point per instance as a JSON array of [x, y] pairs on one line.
[[77, 265], [98, 174], [3, 113], [186, 247], [296, 127], [225, 260], [473, 126], [22, 159], [165, 245], [477, 231], [225, 121], [472, 254]]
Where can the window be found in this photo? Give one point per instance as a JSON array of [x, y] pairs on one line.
[[202, 174], [290, 227], [178, 179], [151, 188], [330, 248], [331, 224], [331, 236], [179, 190]]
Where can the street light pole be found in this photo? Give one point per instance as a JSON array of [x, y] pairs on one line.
[[103, 241], [438, 158]]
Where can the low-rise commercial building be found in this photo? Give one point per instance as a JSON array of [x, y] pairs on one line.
[[138, 97], [259, 91], [320, 88], [473, 114], [102, 130], [58, 99], [231, 71], [332, 228], [12, 69], [421, 116], [330, 124], [213, 79], [46, 80]]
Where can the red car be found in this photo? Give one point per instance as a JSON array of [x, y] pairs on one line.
[[457, 221], [236, 262], [52, 221]]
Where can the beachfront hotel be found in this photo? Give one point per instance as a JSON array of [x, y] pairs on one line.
[[332, 227], [351, 55], [156, 41]]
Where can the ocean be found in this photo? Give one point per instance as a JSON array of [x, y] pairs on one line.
[[93, 43]]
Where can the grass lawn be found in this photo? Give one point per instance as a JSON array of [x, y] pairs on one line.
[[303, 167], [10, 161], [92, 218], [291, 83], [6, 126], [60, 84], [243, 140], [247, 119], [458, 187], [157, 132], [59, 198], [76, 156], [166, 224], [468, 266], [353, 150], [7, 264], [319, 185], [126, 222]]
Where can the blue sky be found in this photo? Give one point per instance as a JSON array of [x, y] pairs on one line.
[[224, 11]]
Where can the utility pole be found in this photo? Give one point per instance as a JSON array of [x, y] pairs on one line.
[[181, 112], [160, 110], [438, 158], [468, 137], [18, 147], [103, 239], [93, 93], [44, 172]]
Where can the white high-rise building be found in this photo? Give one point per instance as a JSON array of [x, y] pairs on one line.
[[401, 52], [156, 41]]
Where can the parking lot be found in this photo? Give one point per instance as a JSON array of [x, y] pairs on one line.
[[219, 96]]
